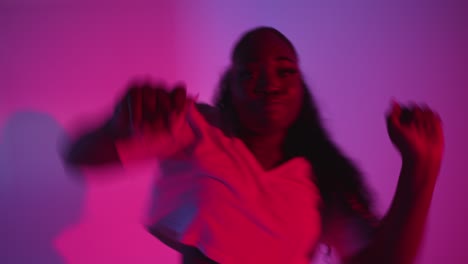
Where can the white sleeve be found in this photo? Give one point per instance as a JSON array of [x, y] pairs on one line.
[[151, 145]]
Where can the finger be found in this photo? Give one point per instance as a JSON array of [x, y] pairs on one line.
[[434, 115], [149, 102], [391, 125], [135, 108], [163, 107], [178, 98], [395, 108], [438, 127], [394, 114], [121, 110], [435, 126], [418, 117], [393, 120], [428, 121], [408, 114], [120, 120]]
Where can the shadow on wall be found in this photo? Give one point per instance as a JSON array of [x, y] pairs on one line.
[[38, 200]]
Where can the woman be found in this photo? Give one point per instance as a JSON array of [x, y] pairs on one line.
[[255, 178]]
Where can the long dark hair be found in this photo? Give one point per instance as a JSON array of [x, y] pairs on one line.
[[339, 180]]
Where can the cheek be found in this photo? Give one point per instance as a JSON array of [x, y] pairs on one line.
[[296, 102], [248, 112], [243, 91], [243, 100]]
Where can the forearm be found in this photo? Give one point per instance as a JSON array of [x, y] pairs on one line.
[[93, 148], [398, 238]]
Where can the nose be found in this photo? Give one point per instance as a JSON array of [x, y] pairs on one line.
[[268, 83]]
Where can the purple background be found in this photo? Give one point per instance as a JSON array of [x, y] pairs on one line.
[[63, 64]]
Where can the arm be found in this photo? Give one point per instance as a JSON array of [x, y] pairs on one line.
[[417, 134], [400, 232], [97, 147], [147, 123]]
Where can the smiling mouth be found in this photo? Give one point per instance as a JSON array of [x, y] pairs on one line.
[[274, 108], [274, 103]]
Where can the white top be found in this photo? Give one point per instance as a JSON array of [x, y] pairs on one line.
[[214, 195]]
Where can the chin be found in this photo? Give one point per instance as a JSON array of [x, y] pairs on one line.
[[272, 128]]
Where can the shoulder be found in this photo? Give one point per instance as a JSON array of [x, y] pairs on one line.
[[208, 112], [209, 115]]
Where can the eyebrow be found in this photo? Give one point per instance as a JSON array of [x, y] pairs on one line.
[[284, 58]]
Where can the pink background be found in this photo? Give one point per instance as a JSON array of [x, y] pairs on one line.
[[63, 64]]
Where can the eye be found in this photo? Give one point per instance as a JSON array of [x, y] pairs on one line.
[[246, 75], [286, 72]]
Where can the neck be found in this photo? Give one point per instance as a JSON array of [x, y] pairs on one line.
[[267, 148]]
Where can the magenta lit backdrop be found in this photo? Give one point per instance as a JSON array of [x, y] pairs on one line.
[[63, 64]]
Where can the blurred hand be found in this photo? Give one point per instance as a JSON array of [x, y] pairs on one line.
[[416, 131], [147, 107]]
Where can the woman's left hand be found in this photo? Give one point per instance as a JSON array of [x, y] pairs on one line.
[[416, 131]]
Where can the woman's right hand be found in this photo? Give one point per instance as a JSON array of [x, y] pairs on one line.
[[147, 107]]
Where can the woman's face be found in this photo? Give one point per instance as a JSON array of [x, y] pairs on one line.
[[266, 84]]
